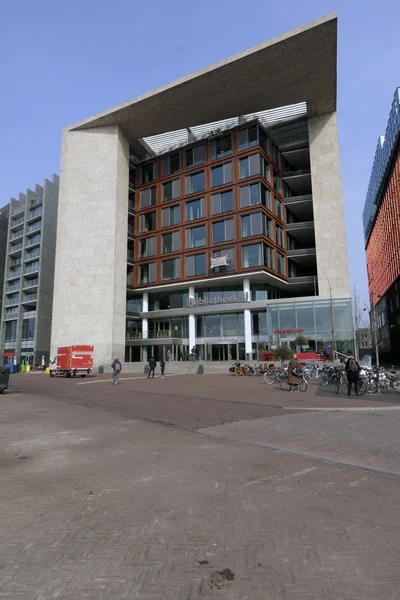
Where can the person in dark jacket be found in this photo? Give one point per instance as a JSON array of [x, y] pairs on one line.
[[152, 366], [294, 370], [117, 368], [352, 369], [162, 367]]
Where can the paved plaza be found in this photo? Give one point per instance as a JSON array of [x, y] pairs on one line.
[[196, 487]]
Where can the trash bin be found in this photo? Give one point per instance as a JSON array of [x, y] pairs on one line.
[[4, 376], [200, 370], [23, 368], [146, 370], [101, 369], [28, 368]]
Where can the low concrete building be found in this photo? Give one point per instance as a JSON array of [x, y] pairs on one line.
[[29, 275]]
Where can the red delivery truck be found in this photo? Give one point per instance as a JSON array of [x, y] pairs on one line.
[[72, 360]]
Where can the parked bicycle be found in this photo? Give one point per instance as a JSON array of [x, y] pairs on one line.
[[275, 374]]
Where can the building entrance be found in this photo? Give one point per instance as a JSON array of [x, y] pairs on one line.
[[222, 352]]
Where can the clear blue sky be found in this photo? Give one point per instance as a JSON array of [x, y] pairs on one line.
[[64, 61]]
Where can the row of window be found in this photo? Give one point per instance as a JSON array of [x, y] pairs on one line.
[[222, 202], [196, 183], [219, 148], [222, 231], [254, 255]]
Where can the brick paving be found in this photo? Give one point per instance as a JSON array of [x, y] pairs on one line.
[[95, 505]]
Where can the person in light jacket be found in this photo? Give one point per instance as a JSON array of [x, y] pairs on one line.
[[294, 371]]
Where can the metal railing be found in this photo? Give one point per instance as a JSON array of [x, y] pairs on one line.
[[31, 268], [12, 288], [18, 221], [14, 273], [34, 240], [131, 205], [296, 173], [10, 302], [10, 314], [32, 253], [35, 212], [15, 248], [30, 297], [17, 234], [34, 227], [31, 283]]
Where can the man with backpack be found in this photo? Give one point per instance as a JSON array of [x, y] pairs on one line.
[[353, 374], [117, 368]]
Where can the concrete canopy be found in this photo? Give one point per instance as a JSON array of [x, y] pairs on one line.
[[299, 66]]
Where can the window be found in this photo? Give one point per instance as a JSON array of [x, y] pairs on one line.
[[171, 190], [171, 242], [148, 197], [148, 173], [281, 263], [222, 231], [171, 269], [266, 170], [278, 209], [248, 138], [195, 209], [277, 179], [213, 326], [148, 222], [195, 183], [221, 174], [196, 236], [279, 236], [222, 202], [170, 216], [264, 141], [170, 165], [195, 156], [249, 166], [257, 255], [147, 247], [256, 224], [276, 156], [28, 328], [230, 255], [222, 146], [251, 195], [147, 273], [196, 265], [11, 331]]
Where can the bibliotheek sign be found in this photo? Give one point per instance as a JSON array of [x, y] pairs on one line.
[[283, 331], [231, 299]]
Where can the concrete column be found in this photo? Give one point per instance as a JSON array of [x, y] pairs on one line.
[[89, 303], [130, 353], [145, 328], [192, 321], [330, 232], [145, 321], [247, 319]]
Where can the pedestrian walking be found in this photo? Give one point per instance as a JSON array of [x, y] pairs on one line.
[[352, 369], [169, 355], [117, 368], [162, 367], [152, 367], [327, 353], [294, 370]]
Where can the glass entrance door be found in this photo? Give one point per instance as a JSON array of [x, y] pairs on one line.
[[222, 352]]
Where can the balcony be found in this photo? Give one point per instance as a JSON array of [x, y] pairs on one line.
[[153, 335], [131, 231], [302, 233], [33, 241], [299, 181], [13, 288], [14, 273], [301, 252], [17, 222], [32, 254], [34, 227], [131, 206], [11, 314], [17, 234], [36, 212], [12, 302], [18, 210], [29, 298], [33, 268], [30, 283], [301, 207], [130, 255], [15, 250]]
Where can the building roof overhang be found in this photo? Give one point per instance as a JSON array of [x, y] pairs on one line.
[[299, 66]]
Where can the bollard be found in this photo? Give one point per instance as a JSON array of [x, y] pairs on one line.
[[200, 370], [101, 369]]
